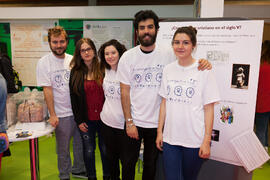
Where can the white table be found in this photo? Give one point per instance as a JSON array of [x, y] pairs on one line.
[[33, 146]]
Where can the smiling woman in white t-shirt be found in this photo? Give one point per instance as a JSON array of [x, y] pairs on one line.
[[112, 115], [187, 110]]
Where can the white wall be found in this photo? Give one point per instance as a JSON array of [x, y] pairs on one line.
[[93, 12], [248, 11], [212, 8], [126, 12]]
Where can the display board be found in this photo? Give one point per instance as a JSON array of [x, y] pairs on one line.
[[29, 43], [233, 48], [102, 31], [25, 41]]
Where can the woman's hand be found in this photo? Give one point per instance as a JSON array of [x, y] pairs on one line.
[[83, 127], [204, 64], [132, 131], [159, 141], [205, 150]]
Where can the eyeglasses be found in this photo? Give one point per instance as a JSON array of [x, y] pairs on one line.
[[86, 50]]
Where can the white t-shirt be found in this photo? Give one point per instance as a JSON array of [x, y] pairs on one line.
[[55, 72], [143, 73], [186, 91], [112, 113]]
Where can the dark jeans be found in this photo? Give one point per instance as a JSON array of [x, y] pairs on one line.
[[131, 154], [261, 123], [89, 146], [181, 163], [113, 139]]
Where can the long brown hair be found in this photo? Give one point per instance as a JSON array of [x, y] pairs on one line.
[[80, 70]]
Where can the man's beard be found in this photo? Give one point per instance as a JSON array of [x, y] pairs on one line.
[[58, 54], [147, 43]]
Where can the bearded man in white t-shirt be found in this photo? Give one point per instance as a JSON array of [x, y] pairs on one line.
[[140, 73], [53, 72]]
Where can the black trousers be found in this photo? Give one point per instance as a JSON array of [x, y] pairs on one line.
[[131, 153], [113, 139]]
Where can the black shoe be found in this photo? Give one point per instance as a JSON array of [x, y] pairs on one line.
[[65, 179], [82, 175]]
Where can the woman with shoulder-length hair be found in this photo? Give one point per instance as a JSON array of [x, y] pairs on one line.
[[87, 100], [112, 115]]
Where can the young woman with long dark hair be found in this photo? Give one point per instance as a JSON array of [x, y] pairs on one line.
[[87, 98]]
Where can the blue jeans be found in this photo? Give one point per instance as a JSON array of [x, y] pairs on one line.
[[3, 97], [181, 163], [89, 146], [261, 123]]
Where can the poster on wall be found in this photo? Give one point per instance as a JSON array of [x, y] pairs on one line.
[[233, 48], [102, 31], [29, 43]]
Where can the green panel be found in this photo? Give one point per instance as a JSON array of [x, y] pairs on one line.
[[74, 29], [5, 43]]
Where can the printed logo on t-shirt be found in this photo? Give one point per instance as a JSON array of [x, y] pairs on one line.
[[60, 78], [182, 91], [67, 75], [190, 92], [137, 78], [147, 77], [111, 89], [178, 90], [159, 77]]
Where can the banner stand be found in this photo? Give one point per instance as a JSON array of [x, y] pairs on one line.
[[224, 43]]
